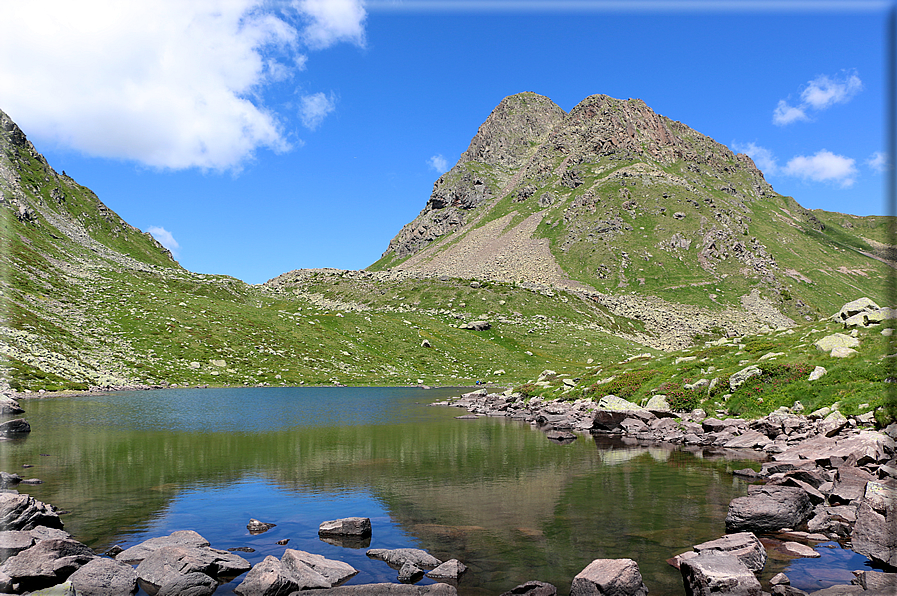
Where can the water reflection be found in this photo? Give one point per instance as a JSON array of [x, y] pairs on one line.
[[493, 493]]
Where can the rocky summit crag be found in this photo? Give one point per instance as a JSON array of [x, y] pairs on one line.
[[562, 241]]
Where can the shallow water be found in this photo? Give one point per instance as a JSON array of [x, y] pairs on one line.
[[494, 493]]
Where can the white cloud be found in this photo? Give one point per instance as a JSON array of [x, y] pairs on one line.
[[313, 109], [878, 161], [820, 93], [763, 157], [168, 84], [438, 163], [165, 239], [824, 91], [332, 21], [824, 166], [786, 114]]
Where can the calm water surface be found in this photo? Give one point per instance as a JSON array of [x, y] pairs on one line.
[[494, 493]]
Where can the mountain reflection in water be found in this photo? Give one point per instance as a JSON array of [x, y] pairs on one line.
[[491, 492]]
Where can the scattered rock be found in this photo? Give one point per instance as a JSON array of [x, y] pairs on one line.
[[399, 556], [335, 572], [451, 569], [256, 527], [716, 573], [532, 588], [768, 509], [104, 577], [46, 564], [18, 426], [743, 545], [24, 512]]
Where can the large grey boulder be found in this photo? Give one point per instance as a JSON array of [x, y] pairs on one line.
[[18, 426], [768, 509], [875, 533], [855, 307], [836, 340], [609, 577], [168, 561], [24, 512], [184, 538], [12, 542], [104, 577], [268, 578], [347, 526], [334, 572], [46, 564], [188, 584], [399, 556], [716, 574], [743, 545]]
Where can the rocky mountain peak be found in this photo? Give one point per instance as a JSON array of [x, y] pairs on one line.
[[508, 135]]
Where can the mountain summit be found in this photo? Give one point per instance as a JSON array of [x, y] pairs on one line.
[[613, 198]]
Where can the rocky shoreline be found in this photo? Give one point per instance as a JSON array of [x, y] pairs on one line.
[[824, 476]]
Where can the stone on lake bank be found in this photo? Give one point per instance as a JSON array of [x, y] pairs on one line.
[[24, 512], [715, 573], [768, 509], [104, 577]]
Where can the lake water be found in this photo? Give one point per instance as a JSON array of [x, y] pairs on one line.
[[493, 493]]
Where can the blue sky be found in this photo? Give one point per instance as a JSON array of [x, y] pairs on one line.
[[264, 136]]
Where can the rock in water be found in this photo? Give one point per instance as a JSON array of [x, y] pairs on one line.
[[717, 574], [609, 577], [256, 527], [347, 526]]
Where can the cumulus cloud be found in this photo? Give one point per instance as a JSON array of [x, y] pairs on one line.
[[314, 108], [332, 21], [878, 161], [824, 166], [165, 239], [438, 163], [819, 94], [167, 84], [763, 157]]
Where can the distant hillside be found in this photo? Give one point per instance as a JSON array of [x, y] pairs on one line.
[[613, 199]]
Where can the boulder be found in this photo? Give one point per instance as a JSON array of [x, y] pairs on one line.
[[9, 407], [189, 584], [849, 485], [743, 545], [817, 373], [397, 557], [876, 580], [157, 568], [104, 577], [737, 379], [837, 340], [24, 512], [748, 440], [855, 307], [609, 577], [185, 538], [15, 427], [12, 542], [658, 403], [617, 404], [717, 573], [410, 573], [268, 578], [874, 534], [532, 588], [256, 527], [451, 569], [842, 352], [46, 564], [768, 509], [335, 572], [476, 326], [347, 526]]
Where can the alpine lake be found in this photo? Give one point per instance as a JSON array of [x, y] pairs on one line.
[[492, 492]]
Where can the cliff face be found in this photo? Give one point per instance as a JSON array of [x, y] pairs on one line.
[[612, 197]]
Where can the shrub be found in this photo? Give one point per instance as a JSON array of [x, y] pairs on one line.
[[680, 399], [625, 385]]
